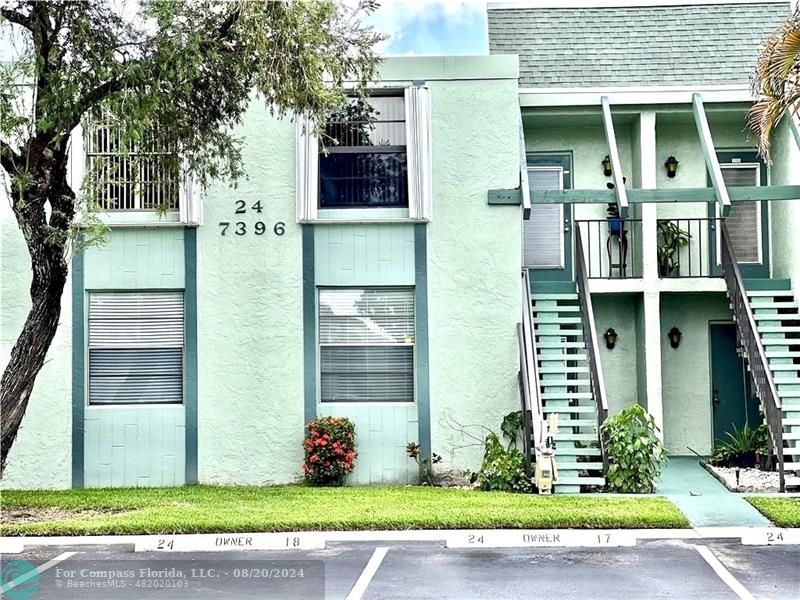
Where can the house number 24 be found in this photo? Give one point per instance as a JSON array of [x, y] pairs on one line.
[[241, 228]]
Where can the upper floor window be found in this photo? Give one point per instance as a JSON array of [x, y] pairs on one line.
[[132, 176], [362, 155]]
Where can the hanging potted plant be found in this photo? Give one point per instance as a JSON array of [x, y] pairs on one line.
[[671, 239]]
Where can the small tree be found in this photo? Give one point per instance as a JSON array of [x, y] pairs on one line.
[[185, 68], [776, 81]]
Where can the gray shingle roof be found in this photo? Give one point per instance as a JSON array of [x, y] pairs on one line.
[[634, 46]]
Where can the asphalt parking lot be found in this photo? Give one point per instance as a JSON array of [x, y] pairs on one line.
[[424, 570]]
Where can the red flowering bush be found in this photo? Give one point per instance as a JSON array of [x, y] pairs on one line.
[[330, 447]]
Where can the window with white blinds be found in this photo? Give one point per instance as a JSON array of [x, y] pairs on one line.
[[136, 348], [543, 234], [744, 219], [366, 339]]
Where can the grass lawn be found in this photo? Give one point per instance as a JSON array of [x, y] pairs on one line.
[[783, 512], [210, 509]]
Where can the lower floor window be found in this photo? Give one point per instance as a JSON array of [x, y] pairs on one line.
[[366, 344], [136, 348]]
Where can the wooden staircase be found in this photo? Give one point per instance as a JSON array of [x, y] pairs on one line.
[[777, 317], [566, 389]]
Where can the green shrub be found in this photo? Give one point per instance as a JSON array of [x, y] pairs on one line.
[[330, 450], [502, 469], [635, 454], [740, 447]]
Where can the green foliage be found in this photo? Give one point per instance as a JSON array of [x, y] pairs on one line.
[[635, 454], [413, 451], [502, 469], [512, 427], [671, 239], [783, 512], [739, 448], [330, 450]]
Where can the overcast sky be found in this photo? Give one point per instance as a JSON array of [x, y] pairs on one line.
[[436, 27]]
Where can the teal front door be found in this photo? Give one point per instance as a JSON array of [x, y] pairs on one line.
[[732, 402]]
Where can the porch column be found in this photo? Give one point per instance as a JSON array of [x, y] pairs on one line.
[[651, 301]]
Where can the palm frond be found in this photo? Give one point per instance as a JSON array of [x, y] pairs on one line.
[[776, 81]]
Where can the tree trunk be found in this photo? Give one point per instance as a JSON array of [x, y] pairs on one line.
[[47, 243]]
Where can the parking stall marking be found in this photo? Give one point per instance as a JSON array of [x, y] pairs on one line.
[[367, 574], [723, 573]]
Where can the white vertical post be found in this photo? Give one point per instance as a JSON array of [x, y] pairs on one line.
[[651, 299]]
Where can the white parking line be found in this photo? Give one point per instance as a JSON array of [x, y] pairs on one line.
[[724, 574], [40, 569], [367, 574]]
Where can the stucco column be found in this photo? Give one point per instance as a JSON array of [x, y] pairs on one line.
[[652, 302]]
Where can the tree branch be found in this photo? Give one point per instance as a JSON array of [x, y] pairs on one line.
[[8, 158], [13, 16]]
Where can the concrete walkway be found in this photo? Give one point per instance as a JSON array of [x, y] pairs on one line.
[[703, 499]]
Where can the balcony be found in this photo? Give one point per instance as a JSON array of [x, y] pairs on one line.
[[613, 248]]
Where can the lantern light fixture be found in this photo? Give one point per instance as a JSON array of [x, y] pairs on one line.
[[671, 166], [611, 338], [674, 336], [607, 166]]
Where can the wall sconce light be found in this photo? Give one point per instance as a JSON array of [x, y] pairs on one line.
[[672, 166], [611, 338], [607, 166], [674, 336]]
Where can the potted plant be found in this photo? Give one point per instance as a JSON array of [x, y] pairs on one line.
[[615, 222], [671, 239], [741, 448]]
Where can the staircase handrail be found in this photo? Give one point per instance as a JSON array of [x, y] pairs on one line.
[[529, 374], [753, 348], [590, 335]]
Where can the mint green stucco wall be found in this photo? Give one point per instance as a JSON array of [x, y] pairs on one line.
[[686, 370], [620, 365], [371, 255], [250, 329], [41, 455], [135, 445], [473, 264]]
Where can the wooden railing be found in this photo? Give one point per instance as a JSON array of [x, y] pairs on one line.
[[590, 337], [753, 348], [528, 375]]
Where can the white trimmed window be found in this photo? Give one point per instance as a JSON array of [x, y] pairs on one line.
[[373, 154], [366, 338], [142, 176], [136, 348]]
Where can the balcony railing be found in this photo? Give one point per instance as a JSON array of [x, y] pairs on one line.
[[684, 247], [612, 248]]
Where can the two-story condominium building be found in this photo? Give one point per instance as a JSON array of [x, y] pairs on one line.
[[576, 222]]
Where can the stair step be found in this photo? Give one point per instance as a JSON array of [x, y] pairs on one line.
[[789, 394], [573, 423], [789, 466], [568, 409], [557, 343], [564, 452], [574, 357], [576, 437], [763, 283], [564, 369], [759, 316], [778, 328], [782, 354], [791, 452], [771, 304], [768, 293], [536, 297], [778, 341], [580, 480], [564, 382], [791, 435], [578, 466], [551, 320], [786, 381], [791, 421], [550, 308], [784, 367]]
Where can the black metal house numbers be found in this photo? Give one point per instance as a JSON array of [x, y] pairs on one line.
[[243, 228]]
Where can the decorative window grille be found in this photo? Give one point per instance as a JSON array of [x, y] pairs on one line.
[[366, 339], [132, 176], [136, 348], [362, 155]]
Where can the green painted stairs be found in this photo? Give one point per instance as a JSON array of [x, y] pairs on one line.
[[778, 323], [565, 388]]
